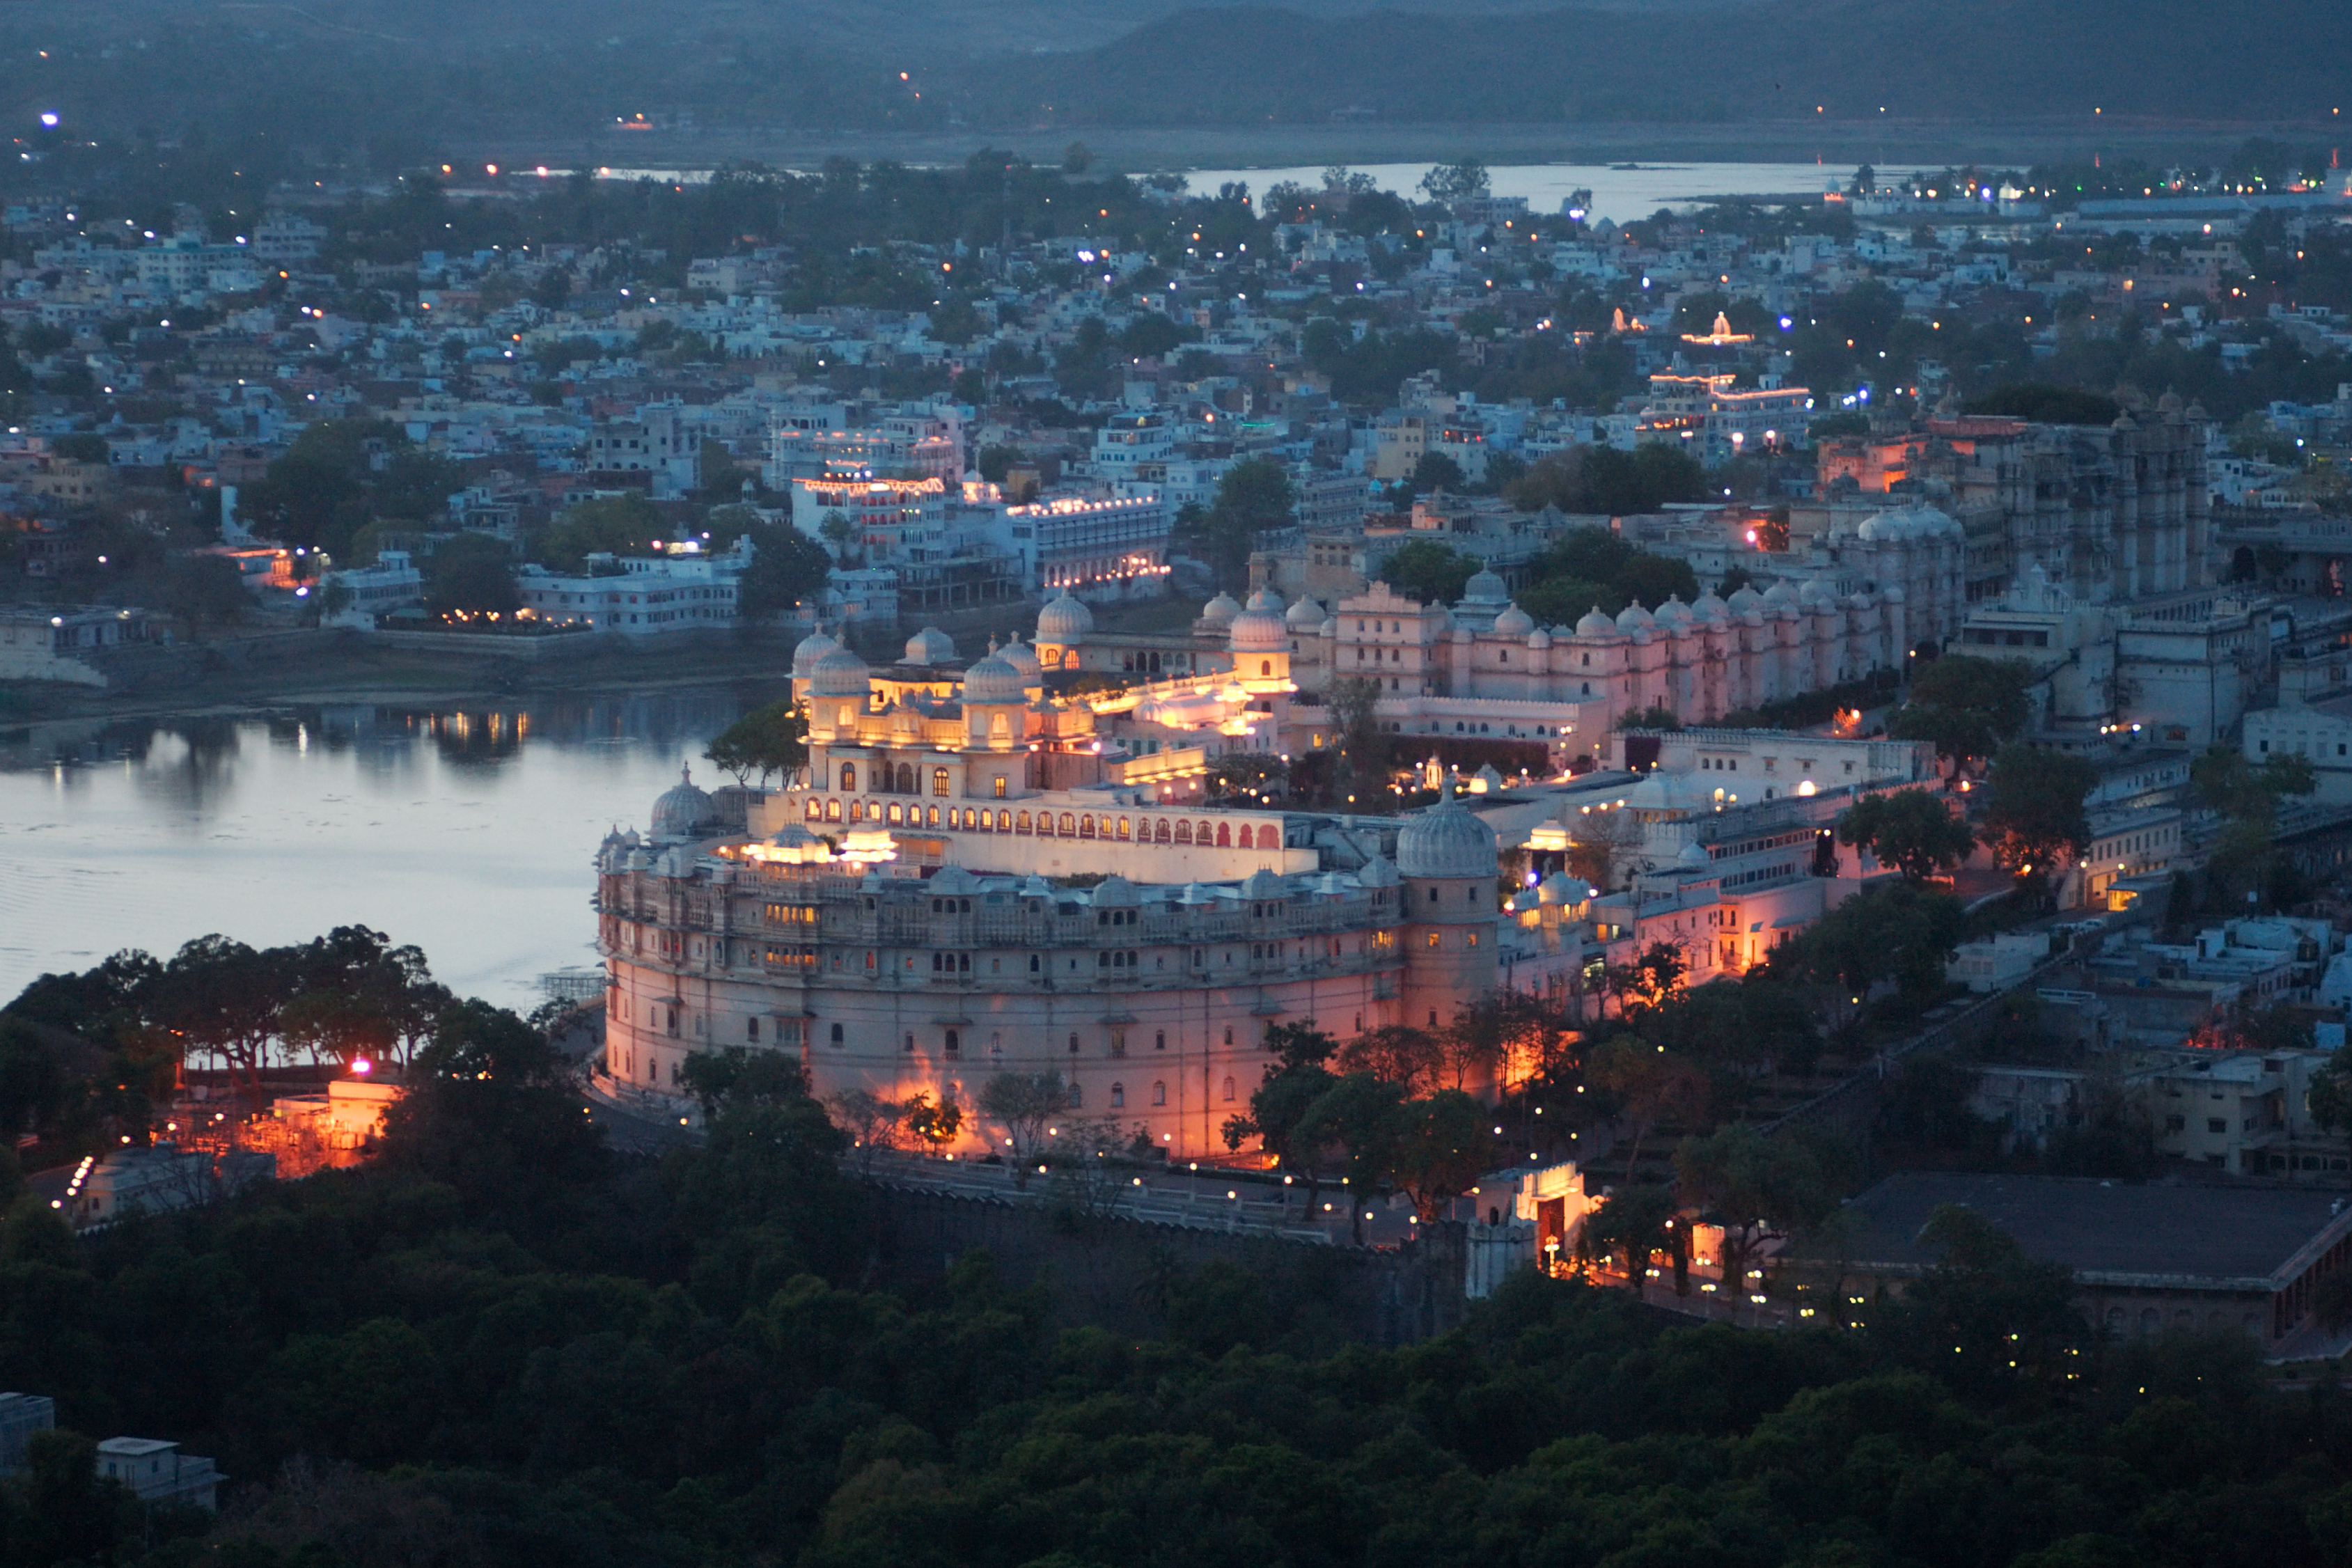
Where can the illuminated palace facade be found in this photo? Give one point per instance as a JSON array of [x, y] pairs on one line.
[[959, 885]]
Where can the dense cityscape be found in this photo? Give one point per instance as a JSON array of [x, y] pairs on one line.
[[1344, 872]]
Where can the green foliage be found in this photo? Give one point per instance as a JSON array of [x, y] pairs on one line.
[[1899, 933], [1254, 496], [2034, 813], [1966, 705], [1911, 830], [1604, 479], [2046, 405], [625, 524], [341, 474], [1586, 568], [470, 574], [767, 742], [1432, 573]]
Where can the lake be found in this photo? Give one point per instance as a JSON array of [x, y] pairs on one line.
[[1619, 195], [466, 828]]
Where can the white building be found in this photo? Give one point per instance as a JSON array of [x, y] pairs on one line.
[[645, 595]]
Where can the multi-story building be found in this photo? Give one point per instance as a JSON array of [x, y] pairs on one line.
[[638, 595], [959, 886]]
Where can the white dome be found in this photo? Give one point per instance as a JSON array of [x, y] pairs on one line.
[[1446, 841], [1745, 600], [813, 646], [1331, 627], [1515, 622], [1710, 608], [1694, 858], [1114, 891], [1221, 610], [1817, 593], [1673, 612], [1306, 616], [1539, 638], [840, 673], [931, 646], [1377, 872], [1559, 888], [1023, 657], [1634, 618], [682, 808], [1257, 631], [1266, 599], [1595, 623], [1486, 588], [1063, 620], [993, 679], [1780, 595]]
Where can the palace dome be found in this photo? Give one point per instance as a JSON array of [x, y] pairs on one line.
[[994, 678], [1745, 600], [1063, 620], [1023, 657], [1306, 616], [1634, 618], [1709, 608], [1257, 631], [813, 646], [681, 809], [1515, 622], [1595, 623], [1446, 840], [1486, 588], [1674, 613], [931, 646], [840, 673], [1221, 610], [1266, 599]]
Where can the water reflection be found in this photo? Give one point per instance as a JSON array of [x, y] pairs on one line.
[[466, 828]]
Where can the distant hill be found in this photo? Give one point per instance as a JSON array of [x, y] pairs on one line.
[[2257, 60], [400, 74]]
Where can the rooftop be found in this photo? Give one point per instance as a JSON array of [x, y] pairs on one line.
[[2108, 1233]]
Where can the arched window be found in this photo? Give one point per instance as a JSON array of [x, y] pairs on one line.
[[1160, 1040], [848, 716], [1003, 822], [848, 777], [1069, 825], [954, 1042], [1021, 823], [1122, 827], [906, 778], [1266, 666], [1223, 837], [1044, 825], [894, 812], [816, 810], [1159, 1094], [938, 781], [1074, 1044], [999, 727], [1087, 826], [998, 786], [1160, 833], [1229, 1090], [1183, 833], [1118, 1095], [1244, 841], [833, 811]]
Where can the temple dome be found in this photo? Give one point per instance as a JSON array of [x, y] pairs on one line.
[[1515, 622], [813, 646], [931, 646], [1595, 623], [1707, 607], [1446, 840], [1634, 618], [994, 678], [1779, 595], [1221, 610], [1674, 613], [840, 673], [1306, 616], [1266, 599], [1745, 600], [1064, 619], [681, 809]]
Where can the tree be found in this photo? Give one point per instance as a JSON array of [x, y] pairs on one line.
[[2033, 817], [1754, 1183], [767, 741], [1650, 981], [1966, 705], [1279, 1106], [1359, 772], [1601, 842], [1634, 1224], [1440, 1147], [1023, 1105], [1910, 830], [1432, 573], [787, 568], [1437, 471], [470, 574], [204, 590], [1399, 1054], [1451, 183], [1254, 498], [837, 531], [1901, 932], [1361, 1114], [1650, 1085], [625, 524], [2225, 782], [934, 1126], [2329, 1097]]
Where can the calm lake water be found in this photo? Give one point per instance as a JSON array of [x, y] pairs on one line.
[[1619, 195], [466, 828]]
